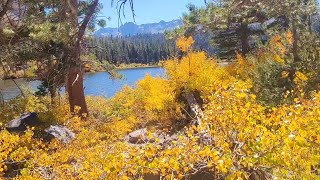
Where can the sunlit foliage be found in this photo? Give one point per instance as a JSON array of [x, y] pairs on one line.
[[238, 138], [184, 43]]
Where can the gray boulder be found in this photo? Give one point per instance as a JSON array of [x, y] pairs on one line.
[[21, 123], [138, 136], [62, 133]]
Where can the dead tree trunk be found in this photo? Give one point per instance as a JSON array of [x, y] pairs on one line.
[[194, 107]]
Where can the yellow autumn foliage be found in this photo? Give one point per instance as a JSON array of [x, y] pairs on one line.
[[194, 73], [184, 43], [238, 137]]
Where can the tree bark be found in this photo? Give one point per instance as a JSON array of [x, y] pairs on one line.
[[74, 82], [75, 90], [5, 8], [295, 48], [53, 93], [295, 52], [244, 35], [194, 107], [1, 99]]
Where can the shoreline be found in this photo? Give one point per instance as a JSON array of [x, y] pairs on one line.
[[138, 67], [116, 69]]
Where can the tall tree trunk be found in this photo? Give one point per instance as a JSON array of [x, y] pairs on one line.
[[53, 93], [75, 89], [295, 52], [74, 82], [51, 80], [295, 48], [244, 33]]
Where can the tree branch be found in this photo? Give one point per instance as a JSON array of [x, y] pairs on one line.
[[72, 7], [121, 6], [5, 8], [87, 19]]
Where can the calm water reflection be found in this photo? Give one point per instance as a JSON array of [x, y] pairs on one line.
[[96, 84]]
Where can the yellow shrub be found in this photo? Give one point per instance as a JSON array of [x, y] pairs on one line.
[[196, 72], [238, 138], [156, 93], [153, 100]]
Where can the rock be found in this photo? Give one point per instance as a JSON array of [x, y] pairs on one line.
[[21, 123], [167, 140], [141, 137], [138, 136], [61, 133]]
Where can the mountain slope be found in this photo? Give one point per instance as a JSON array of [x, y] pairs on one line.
[[133, 29]]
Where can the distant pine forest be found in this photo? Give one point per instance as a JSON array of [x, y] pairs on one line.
[[142, 48]]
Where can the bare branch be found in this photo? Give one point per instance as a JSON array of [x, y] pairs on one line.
[[121, 9]]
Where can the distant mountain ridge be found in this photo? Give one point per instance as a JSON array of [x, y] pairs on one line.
[[131, 28]]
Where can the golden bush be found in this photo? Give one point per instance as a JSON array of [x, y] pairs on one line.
[[238, 138]]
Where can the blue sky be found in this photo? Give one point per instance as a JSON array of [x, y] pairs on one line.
[[149, 11]]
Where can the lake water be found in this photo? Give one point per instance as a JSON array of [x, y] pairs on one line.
[[96, 84]]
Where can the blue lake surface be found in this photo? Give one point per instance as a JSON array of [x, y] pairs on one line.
[[100, 84], [96, 84]]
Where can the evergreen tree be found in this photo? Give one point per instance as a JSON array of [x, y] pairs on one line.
[[142, 48]]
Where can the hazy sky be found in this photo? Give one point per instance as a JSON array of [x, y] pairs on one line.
[[149, 11]]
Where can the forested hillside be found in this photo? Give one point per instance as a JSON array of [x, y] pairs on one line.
[[141, 48], [144, 48]]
